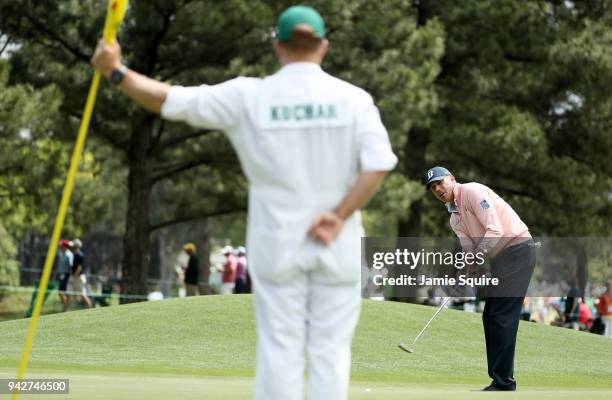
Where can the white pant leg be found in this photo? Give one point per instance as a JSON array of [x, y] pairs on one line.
[[280, 310], [227, 288], [608, 326], [333, 315]]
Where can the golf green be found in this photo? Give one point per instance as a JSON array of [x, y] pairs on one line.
[[204, 347]]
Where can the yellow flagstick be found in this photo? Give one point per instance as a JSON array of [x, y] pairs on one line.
[[114, 16]]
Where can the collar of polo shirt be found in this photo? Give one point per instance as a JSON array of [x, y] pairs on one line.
[[300, 67]]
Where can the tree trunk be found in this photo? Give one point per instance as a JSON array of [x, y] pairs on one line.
[[136, 241], [205, 260], [582, 273], [416, 145], [26, 252], [414, 167]]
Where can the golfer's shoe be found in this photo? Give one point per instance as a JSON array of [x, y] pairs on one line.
[[493, 388]]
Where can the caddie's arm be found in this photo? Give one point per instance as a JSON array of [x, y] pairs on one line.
[[376, 159], [327, 226], [366, 185], [146, 92]]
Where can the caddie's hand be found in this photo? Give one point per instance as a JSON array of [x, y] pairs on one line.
[[326, 227], [107, 57]]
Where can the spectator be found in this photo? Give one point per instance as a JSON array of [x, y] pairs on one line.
[[215, 278], [571, 305], [78, 280], [192, 272], [241, 271], [64, 269], [585, 316], [604, 309], [552, 311], [229, 271], [526, 311], [180, 276]]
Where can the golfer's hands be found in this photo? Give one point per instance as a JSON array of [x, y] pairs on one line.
[[107, 57], [326, 227]]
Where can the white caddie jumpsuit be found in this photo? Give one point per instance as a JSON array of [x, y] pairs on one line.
[[302, 137]]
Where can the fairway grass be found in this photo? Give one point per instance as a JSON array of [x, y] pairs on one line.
[[204, 347], [127, 386]]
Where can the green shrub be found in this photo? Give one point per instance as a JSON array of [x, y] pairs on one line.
[[9, 267]]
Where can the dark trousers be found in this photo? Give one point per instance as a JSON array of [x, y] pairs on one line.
[[240, 286], [500, 319]]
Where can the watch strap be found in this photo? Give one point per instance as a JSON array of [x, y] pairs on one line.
[[118, 74]]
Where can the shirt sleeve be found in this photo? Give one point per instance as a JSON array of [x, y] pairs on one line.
[[207, 106], [479, 202], [375, 153]]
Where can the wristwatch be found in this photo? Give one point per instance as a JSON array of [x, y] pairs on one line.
[[118, 74]]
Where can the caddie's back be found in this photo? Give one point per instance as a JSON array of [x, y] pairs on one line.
[[301, 135], [303, 120], [306, 137]]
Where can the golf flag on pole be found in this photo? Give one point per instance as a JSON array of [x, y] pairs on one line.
[[114, 15]]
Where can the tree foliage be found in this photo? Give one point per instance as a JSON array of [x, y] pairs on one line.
[[511, 94], [523, 106]]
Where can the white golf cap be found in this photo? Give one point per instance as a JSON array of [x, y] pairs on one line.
[[227, 250], [77, 243]]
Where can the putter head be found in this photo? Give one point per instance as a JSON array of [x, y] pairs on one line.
[[405, 348]]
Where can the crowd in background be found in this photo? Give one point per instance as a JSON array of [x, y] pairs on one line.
[[232, 272], [229, 275], [586, 313], [68, 277]]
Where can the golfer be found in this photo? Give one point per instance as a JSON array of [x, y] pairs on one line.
[[314, 150], [485, 223]]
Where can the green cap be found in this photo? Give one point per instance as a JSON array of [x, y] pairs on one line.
[[298, 15]]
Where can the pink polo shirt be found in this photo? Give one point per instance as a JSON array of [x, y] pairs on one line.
[[483, 221]]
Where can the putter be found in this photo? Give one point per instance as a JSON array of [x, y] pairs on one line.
[[410, 349]]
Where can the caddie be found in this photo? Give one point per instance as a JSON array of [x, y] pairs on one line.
[[314, 150], [485, 223]]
